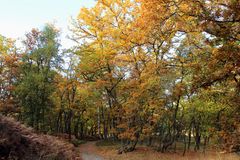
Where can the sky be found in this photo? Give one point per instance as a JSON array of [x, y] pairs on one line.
[[19, 16]]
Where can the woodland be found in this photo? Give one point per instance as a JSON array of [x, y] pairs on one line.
[[160, 73]]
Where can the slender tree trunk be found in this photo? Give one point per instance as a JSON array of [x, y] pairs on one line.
[[197, 138], [70, 125], [76, 127], [99, 123], [59, 121], [185, 146], [189, 136], [205, 144]]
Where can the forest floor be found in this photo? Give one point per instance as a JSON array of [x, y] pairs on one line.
[[90, 151]]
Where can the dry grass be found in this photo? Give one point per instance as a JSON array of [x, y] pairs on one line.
[[20, 142], [144, 153]]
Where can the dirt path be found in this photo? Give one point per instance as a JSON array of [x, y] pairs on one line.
[[88, 151]]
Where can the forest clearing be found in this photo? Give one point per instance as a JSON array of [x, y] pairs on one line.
[[127, 79]]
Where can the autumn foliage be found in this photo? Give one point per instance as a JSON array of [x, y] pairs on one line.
[[159, 72]]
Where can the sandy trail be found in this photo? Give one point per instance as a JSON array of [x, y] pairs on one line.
[[88, 151]]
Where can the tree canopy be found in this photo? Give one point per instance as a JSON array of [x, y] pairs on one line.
[[164, 71]]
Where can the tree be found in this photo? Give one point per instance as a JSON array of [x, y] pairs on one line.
[[37, 77], [216, 56], [9, 71], [104, 28]]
